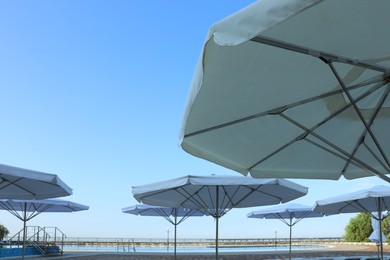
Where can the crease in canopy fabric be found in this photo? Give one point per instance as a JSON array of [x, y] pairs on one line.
[[25, 210], [294, 89], [371, 200], [290, 214], [217, 195], [19, 183], [170, 214]]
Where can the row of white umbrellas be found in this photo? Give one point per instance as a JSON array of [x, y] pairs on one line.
[[216, 195], [27, 193]]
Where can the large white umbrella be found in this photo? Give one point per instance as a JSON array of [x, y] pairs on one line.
[[170, 214], [18, 183], [294, 89], [218, 194], [374, 199], [376, 232], [290, 214], [25, 210]]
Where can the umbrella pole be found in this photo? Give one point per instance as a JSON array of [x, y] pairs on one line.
[[175, 234], [380, 226], [216, 223], [290, 237], [216, 238], [24, 229]]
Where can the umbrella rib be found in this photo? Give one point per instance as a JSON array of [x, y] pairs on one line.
[[285, 107], [317, 53], [7, 206], [14, 183], [251, 191], [281, 218], [188, 214], [358, 111], [356, 161], [307, 131], [163, 214], [311, 131], [199, 202]]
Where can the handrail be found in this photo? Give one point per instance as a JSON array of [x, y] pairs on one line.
[[40, 238]]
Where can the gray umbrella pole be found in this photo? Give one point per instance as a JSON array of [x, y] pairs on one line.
[[380, 226], [24, 229], [216, 224], [175, 234], [290, 236], [216, 239]]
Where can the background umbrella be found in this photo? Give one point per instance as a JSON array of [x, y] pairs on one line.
[[218, 194], [290, 214], [25, 210], [170, 214], [375, 199], [282, 90], [374, 237], [18, 183]]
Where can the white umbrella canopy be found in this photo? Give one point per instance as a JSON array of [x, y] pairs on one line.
[[19, 183], [25, 210], [290, 214], [374, 199], [170, 214], [294, 89], [218, 194]]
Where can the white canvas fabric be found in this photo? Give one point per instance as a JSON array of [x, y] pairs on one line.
[[40, 206], [216, 194], [285, 211], [175, 216], [25, 210], [149, 210], [294, 89], [18, 183], [366, 200], [374, 199], [289, 213]]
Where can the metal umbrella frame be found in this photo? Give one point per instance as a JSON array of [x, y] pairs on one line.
[[217, 195], [19, 183], [25, 210], [290, 214], [170, 214], [374, 199], [294, 89]]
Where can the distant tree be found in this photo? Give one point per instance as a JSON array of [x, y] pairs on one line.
[[3, 232], [359, 228]]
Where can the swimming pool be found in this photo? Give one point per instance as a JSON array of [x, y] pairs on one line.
[[188, 249]]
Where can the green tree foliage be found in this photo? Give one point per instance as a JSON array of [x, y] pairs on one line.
[[3, 232], [359, 228], [386, 226]]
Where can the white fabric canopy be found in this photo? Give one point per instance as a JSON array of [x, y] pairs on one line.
[[202, 192], [25, 210], [374, 199], [170, 214], [294, 89], [216, 195], [289, 213], [18, 183]]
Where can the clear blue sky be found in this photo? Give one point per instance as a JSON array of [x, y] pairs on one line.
[[94, 91]]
